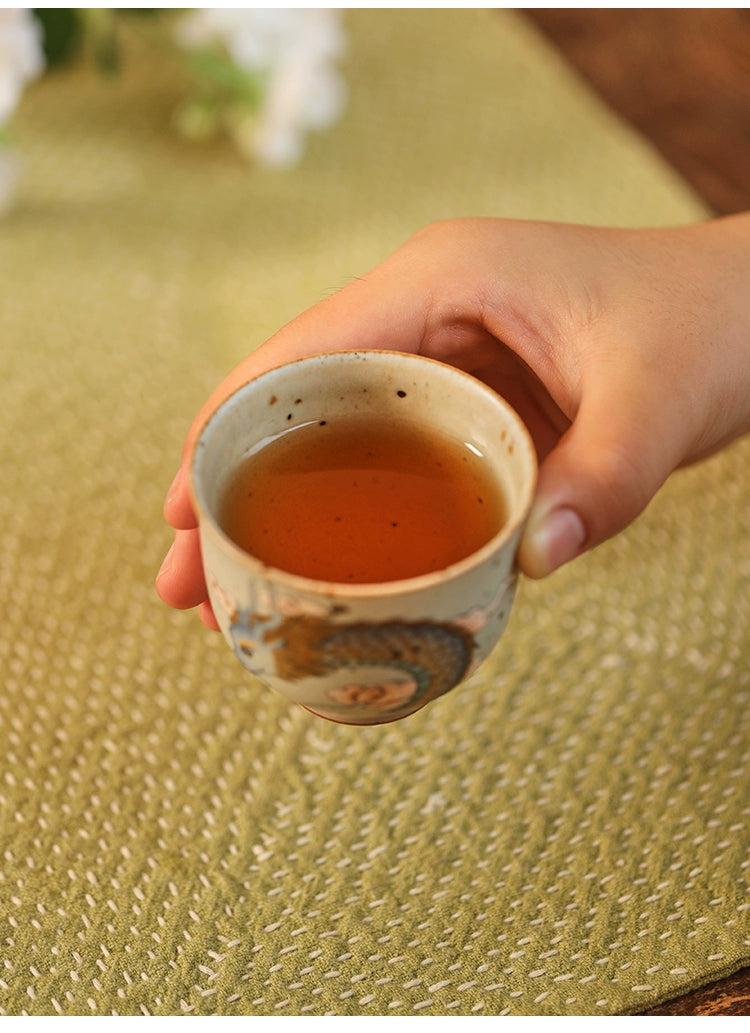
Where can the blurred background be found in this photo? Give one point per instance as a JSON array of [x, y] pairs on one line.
[[682, 77]]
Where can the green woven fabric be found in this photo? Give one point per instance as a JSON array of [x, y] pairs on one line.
[[565, 834]]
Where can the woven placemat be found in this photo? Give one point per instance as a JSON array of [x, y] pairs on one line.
[[565, 834]]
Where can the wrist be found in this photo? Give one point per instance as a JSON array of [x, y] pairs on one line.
[[736, 232], [723, 282]]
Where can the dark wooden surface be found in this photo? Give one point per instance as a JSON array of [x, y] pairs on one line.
[[682, 78], [729, 996]]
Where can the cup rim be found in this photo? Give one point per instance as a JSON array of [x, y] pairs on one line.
[[368, 589]]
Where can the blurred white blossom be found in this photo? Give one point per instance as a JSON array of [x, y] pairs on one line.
[[21, 56], [21, 59], [286, 82]]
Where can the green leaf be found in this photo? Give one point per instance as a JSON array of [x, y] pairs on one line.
[[61, 33], [99, 26], [227, 78]]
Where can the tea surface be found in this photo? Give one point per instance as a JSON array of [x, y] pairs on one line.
[[354, 500]]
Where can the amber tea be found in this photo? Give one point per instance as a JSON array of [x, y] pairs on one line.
[[357, 500]]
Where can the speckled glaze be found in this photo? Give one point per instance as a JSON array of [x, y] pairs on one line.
[[365, 653]]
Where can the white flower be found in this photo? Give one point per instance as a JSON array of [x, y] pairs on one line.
[[21, 56], [292, 54]]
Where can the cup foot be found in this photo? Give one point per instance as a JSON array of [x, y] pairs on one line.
[[363, 721]]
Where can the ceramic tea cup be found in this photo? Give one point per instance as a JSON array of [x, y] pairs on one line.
[[367, 652]]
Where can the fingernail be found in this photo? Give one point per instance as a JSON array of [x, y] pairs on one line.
[[167, 563], [563, 535], [174, 486], [558, 538]]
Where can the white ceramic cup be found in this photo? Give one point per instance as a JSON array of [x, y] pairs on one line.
[[375, 652]]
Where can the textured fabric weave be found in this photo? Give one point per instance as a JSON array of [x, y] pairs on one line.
[[565, 834]]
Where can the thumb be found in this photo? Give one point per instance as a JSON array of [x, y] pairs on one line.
[[605, 469]]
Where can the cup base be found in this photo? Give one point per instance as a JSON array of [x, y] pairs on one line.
[[361, 722]]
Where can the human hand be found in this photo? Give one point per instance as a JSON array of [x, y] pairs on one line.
[[626, 352]]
